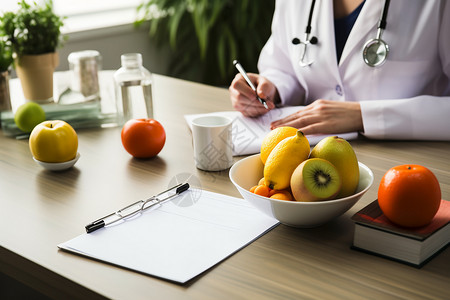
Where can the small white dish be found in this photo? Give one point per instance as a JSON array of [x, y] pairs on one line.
[[248, 171], [58, 166]]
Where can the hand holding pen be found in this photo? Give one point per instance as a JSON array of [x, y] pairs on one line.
[[243, 92], [249, 82]]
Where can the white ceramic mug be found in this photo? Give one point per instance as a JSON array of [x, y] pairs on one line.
[[212, 143]]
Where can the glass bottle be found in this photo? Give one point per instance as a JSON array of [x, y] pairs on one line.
[[133, 89]]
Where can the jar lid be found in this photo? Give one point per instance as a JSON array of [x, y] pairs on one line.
[[83, 55]]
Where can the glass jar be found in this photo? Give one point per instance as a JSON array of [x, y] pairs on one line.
[[133, 89], [5, 101], [84, 67]]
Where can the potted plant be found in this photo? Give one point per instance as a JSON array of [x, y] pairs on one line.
[[206, 36], [5, 63], [34, 34]]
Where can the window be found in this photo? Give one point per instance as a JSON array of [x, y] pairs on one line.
[[87, 14], [81, 7]]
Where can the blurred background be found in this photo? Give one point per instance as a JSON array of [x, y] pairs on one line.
[[188, 39]]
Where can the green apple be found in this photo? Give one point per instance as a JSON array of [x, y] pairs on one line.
[[29, 115], [53, 142]]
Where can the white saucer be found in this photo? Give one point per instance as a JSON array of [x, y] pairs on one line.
[[58, 166]]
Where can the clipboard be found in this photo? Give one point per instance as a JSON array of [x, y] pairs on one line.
[[177, 242]]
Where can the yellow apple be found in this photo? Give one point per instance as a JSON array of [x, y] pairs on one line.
[[53, 141]]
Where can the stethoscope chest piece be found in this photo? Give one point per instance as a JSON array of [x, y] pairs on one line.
[[375, 52]]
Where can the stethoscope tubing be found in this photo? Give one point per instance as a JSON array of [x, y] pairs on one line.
[[375, 51]]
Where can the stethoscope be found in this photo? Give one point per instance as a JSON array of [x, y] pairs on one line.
[[375, 51]]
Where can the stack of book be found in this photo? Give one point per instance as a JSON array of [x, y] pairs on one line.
[[69, 106], [375, 234]]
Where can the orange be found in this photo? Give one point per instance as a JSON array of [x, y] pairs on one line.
[[253, 188], [274, 192], [282, 195], [273, 138], [409, 195], [261, 181], [262, 190]]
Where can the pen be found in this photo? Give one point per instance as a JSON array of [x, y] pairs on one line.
[[249, 82], [135, 208]]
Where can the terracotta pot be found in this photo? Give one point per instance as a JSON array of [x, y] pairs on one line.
[[36, 75]]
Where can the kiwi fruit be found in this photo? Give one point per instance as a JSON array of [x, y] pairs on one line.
[[315, 179], [340, 153]]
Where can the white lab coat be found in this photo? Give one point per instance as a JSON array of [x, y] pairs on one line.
[[406, 98]]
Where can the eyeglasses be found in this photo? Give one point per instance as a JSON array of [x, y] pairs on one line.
[[137, 208]]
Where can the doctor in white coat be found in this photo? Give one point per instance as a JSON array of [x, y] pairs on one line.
[[406, 97]]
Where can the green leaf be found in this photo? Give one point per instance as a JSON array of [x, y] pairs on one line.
[[206, 35], [32, 29], [174, 23]]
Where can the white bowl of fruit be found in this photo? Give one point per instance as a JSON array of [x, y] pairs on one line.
[[301, 188]]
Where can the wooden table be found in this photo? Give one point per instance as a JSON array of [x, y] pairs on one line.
[[40, 209]]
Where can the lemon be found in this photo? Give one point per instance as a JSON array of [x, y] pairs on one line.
[[283, 160], [273, 138]]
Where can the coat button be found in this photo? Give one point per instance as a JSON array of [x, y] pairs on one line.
[[339, 90]]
